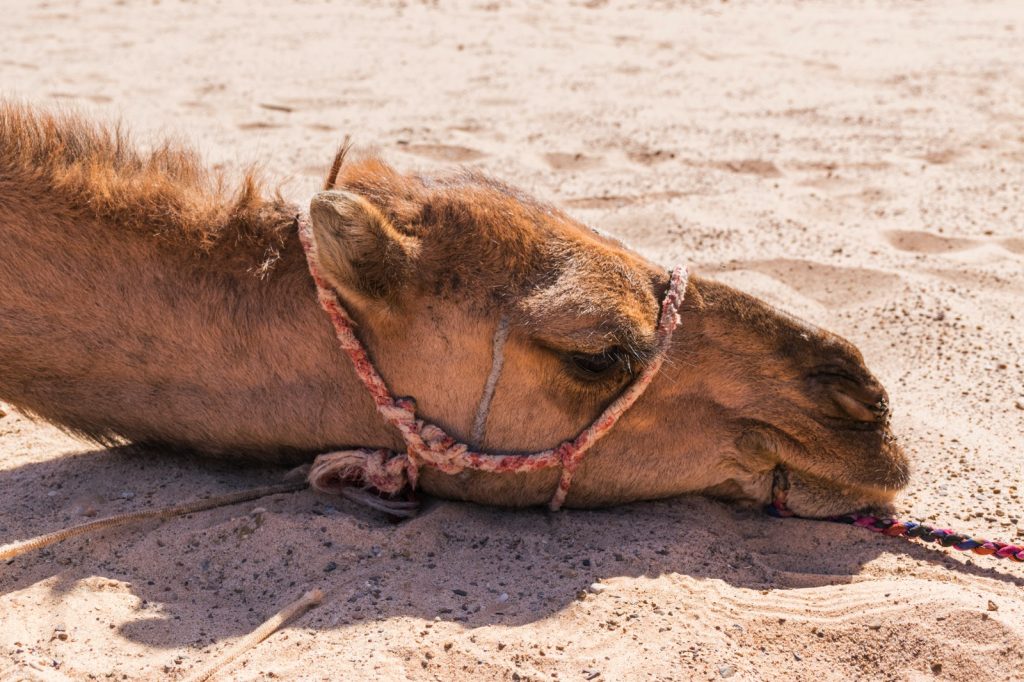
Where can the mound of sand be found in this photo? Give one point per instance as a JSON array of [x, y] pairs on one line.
[[862, 167]]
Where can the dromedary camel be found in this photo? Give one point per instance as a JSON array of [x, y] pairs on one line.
[[141, 301]]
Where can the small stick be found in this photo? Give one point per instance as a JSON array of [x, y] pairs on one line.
[[296, 608], [20, 547]]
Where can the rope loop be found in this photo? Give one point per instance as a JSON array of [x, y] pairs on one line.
[[384, 470]]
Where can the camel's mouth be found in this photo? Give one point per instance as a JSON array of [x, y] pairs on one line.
[[794, 492]]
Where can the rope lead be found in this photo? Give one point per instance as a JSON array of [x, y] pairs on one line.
[[14, 549]]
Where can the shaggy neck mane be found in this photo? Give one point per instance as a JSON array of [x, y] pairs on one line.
[[92, 171]]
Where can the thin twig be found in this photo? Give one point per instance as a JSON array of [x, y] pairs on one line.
[[296, 608]]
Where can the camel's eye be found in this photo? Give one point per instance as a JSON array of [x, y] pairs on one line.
[[599, 365]]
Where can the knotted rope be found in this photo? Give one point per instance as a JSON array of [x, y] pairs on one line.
[[427, 444]]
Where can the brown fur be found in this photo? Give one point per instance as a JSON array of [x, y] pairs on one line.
[[339, 158], [142, 301], [98, 174]]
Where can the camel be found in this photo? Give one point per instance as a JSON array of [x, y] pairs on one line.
[[144, 301]]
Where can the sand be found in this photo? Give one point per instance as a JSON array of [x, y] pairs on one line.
[[858, 164]]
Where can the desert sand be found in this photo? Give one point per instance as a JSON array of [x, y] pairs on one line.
[[858, 164]]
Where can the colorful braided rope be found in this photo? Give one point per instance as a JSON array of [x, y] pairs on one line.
[[923, 532], [943, 536]]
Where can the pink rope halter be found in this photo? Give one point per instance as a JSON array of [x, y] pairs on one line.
[[427, 444]]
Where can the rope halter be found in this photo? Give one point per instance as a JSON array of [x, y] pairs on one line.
[[427, 444]]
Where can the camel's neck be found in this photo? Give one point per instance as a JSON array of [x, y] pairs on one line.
[[115, 334]]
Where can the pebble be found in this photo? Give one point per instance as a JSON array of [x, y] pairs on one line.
[[597, 588], [727, 671], [503, 597], [992, 606], [331, 565]]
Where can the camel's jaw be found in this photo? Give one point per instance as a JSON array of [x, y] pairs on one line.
[[792, 394]]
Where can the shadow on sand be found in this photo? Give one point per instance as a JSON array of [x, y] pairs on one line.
[[459, 562]]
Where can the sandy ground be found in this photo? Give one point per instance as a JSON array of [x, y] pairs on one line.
[[859, 164]]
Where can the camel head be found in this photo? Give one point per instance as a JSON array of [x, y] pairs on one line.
[[431, 266]]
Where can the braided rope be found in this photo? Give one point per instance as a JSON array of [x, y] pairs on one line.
[[925, 533], [912, 530], [429, 445]]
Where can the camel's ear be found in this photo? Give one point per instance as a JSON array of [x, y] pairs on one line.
[[359, 248]]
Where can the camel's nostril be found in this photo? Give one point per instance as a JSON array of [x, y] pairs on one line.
[[875, 411], [847, 396]]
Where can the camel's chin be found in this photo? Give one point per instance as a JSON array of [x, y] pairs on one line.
[[815, 504], [805, 496]]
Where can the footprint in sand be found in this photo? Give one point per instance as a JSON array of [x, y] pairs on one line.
[[650, 157], [941, 156], [444, 152], [571, 162], [760, 167], [98, 99], [609, 201], [918, 241], [1013, 245], [258, 125], [831, 285]]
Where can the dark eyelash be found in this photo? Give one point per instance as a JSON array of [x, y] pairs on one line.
[[600, 365]]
